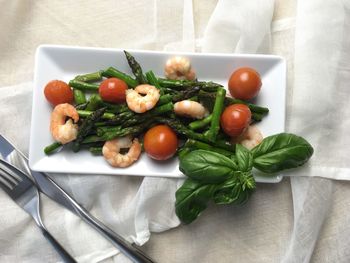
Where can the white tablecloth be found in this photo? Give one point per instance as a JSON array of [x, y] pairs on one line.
[[301, 219]]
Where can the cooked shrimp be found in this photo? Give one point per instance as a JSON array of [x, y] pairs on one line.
[[140, 104], [251, 137], [61, 130], [111, 151], [179, 68], [190, 109]]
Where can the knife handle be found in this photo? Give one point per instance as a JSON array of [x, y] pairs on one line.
[[129, 250], [60, 250]]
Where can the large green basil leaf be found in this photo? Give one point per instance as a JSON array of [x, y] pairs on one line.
[[191, 199], [207, 167], [235, 190], [244, 158], [281, 151]]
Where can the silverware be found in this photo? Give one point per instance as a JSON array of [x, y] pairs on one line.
[[24, 192], [55, 192]]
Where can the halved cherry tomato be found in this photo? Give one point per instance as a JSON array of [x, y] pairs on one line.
[[244, 83], [160, 142], [113, 90], [57, 92], [235, 119]]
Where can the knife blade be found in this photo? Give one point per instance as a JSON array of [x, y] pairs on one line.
[[48, 186]]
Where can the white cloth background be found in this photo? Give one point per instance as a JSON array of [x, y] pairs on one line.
[[299, 220]]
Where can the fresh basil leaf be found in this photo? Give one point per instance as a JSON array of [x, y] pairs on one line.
[[207, 167], [235, 190], [281, 151], [244, 158], [191, 199]]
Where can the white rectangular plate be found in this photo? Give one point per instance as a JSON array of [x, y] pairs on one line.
[[64, 63]]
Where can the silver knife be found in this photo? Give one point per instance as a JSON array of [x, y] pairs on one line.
[[55, 192]]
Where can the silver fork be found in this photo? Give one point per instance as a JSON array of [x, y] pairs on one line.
[[25, 193]]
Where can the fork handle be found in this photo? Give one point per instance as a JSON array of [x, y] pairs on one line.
[[60, 250]]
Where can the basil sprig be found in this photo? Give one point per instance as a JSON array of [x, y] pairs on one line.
[[215, 177]]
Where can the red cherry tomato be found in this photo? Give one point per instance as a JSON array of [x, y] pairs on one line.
[[113, 90], [160, 142], [57, 92], [235, 119], [244, 83]]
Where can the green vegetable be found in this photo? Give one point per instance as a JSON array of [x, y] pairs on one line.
[[244, 158], [186, 94], [191, 199], [115, 108], [197, 145], [79, 96], [120, 131], [212, 176], [185, 84], [112, 72], [86, 113], [77, 84], [138, 118], [92, 139], [237, 189], [281, 151], [218, 108], [164, 99], [135, 67], [86, 127], [208, 99], [96, 150], [196, 125], [52, 147], [90, 77], [207, 167], [152, 79], [180, 128], [94, 102]]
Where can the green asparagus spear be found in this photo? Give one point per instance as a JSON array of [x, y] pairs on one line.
[[164, 99], [208, 99], [196, 125], [215, 121], [96, 150], [152, 79], [133, 130], [112, 72], [77, 84], [149, 115], [79, 96], [86, 113], [90, 77], [81, 106], [184, 84], [94, 102], [180, 128], [52, 147], [115, 108], [86, 127], [92, 139], [135, 67], [186, 94]]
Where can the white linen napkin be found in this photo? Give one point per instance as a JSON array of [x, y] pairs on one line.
[[135, 207]]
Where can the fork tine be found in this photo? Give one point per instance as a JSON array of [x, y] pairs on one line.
[[9, 175], [16, 174], [14, 177], [4, 184]]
